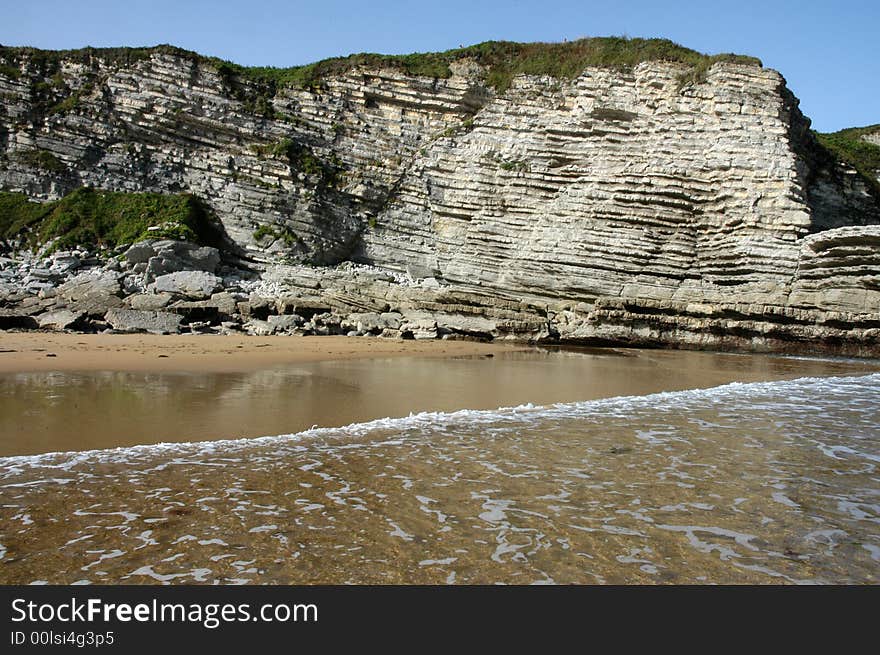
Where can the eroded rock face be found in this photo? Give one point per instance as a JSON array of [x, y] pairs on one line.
[[618, 207]]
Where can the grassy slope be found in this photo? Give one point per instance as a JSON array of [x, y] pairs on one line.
[[848, 146], [503, 60], [88, 217]]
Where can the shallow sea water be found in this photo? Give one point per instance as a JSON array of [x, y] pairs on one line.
[[740, 483], [56, 411]]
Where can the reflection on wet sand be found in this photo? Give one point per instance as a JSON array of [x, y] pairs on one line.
[[55, 411]]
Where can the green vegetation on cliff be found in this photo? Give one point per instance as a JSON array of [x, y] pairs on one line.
[[42, 159], [89, 217], [502, 59], [49, 61], [10, 71], [849, 146], [282, 232]]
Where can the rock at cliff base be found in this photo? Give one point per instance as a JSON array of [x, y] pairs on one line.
[[62, 319], [285, 324], [167, 256], [195, 285], [150, 302], [475, 326], [130, 320], [140, 253], [90, 284], [372, 322], [96, 305], [419, 325], [92, 292], [258, 328]]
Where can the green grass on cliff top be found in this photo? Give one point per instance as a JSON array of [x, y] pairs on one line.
[[88, 217], [850, 147], [502, 59]]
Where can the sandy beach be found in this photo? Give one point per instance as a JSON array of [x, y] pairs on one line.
[[40, 351], [63, 392]]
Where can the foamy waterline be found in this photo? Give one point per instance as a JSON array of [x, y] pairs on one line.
[[520, 414], [738, 483]]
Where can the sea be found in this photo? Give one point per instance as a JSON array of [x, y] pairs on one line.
[[674, 468]]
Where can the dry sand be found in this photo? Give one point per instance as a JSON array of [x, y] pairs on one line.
[[40, 351]]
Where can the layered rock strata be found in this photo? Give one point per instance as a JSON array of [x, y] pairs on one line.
[[617, 207]]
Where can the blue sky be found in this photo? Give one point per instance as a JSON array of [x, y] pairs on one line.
[[828, 52]]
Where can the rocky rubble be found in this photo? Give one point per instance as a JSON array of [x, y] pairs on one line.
[[836, 270], [115, 293]]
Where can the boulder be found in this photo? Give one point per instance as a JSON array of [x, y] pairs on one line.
[[390, 320], [195, 285], [419, 325], [306, 307], [167, 256], [32, 305], [201, 327], [90, 284], [131, 320], [219, 307], [62, 319], [140, 253], [41, 275], [196, 310], [35, 287], [285, 323], [475, 326], [258, 306], [372, 322], [204, 258], [258, 328], [64, 262], [92, 292], [95, 305], [149, 301], [226, 303]]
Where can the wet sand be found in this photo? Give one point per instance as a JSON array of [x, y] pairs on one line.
[[106, 392], [40, 351], [753, 483]]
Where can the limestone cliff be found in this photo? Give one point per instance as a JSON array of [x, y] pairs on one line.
[[643, 204]]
